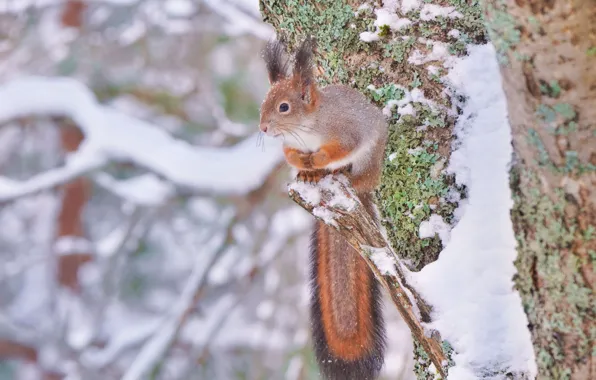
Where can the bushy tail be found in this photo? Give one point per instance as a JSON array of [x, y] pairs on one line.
[[347, 325]]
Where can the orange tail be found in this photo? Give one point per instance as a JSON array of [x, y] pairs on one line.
[[347, 325]]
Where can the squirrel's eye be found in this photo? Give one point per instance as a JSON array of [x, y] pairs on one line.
[[284, 107]]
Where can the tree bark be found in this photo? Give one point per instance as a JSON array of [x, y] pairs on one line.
[[75, 194], [548, 61]]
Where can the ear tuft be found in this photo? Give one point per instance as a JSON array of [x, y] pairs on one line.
[[277, 64], [303, 61]]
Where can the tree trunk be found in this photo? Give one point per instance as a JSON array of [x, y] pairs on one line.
[[548, 60], [76, 193], [70, 218], [415, 188]]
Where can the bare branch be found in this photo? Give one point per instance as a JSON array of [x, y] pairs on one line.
[[334, 201]]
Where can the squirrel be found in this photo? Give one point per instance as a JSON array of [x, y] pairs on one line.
[[330, 130]]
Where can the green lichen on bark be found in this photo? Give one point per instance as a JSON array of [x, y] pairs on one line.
[[554, 257], [549, 83], [413, 185], [502, 28]]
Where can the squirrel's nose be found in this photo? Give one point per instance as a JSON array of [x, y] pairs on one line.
[[263, 127]]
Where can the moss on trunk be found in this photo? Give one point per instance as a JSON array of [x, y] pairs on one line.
[[548, 56]]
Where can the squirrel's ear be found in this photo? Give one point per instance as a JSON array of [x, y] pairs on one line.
[[303, 71], [277, 65]]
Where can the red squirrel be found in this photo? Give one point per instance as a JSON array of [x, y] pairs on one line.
[[326, 130]]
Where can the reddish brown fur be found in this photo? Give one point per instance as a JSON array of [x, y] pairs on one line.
[[345, 342], [332, 151], [296, 158], [335, 129]]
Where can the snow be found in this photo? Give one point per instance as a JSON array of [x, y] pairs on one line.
[[265, 309], [454, 33], [126, 333], [239, 22], [385, 16], [329, 190], [113, 136], [470, 285], [71, 244], [154, 349], [369, 37], [109, 245], [383, 260], [80, 321], [339, 199], [432, 11], [409, 5], [310, 193], [408, 109], [435, 225], [179, 8], [294, 368], [325, 215], [143, 190], [439, 52], [388, 109], [404, 105], [433, 70]]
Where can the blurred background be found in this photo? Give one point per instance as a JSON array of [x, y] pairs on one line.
[[128, 269]]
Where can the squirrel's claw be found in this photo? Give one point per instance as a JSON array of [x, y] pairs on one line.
[[310, 176], [301, 176], [314, 176]]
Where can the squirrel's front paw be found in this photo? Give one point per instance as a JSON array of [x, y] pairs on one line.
[[311, 176]]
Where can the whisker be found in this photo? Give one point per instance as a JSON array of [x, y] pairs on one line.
[[293, 134], [297, 137], [260, 140], [299, 127], [295, 125], [303, 128]]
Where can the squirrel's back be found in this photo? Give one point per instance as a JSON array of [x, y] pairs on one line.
[[352, 111], [347, 114]]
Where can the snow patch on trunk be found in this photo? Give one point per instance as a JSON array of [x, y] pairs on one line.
[[470, 286]]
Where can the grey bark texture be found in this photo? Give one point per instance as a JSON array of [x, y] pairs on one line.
[[547, 51]]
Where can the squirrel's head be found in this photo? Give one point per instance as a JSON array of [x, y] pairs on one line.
[[292, 99]]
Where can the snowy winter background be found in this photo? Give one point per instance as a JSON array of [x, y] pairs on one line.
[[195, 259]]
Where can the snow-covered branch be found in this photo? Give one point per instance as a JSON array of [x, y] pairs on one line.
[[113, 136], [240, 21], [334, 201]]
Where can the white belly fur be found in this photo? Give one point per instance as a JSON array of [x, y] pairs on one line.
[[303, 141], [358, 158]]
